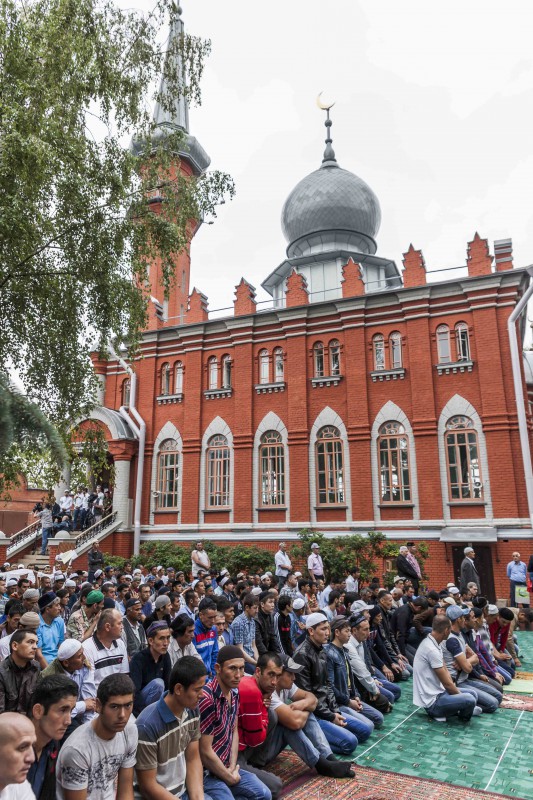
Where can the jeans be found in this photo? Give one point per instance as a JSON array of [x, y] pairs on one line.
[[507, 677], [485, 690], [277, 738], [508, 666], [151, 693], [485, 695], [341, 740], [45, 534], [390, 688], [371, 713], [365, 726], [248, 788], [451, 705]]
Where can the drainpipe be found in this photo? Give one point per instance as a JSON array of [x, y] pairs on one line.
[[140, 433], [516, 362]]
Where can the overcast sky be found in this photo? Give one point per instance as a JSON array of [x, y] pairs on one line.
[[434, 110]]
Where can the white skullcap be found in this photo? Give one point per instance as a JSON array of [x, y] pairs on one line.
[[256, 590], [70, 585], [68, 649], [298, 604], [315, 619]]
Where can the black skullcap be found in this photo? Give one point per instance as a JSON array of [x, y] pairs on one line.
[[229, 652], [507, 614], [131, 602]]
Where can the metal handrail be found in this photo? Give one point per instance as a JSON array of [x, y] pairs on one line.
[[25, 536], [92, 532]]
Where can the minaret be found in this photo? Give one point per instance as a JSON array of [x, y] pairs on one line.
[[193, 162]]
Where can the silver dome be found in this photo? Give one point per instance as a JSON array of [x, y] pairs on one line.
[[331, 199]]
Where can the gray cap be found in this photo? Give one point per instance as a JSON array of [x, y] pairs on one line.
[[162, 600]]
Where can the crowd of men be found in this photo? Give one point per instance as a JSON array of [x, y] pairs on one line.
[[150, 683]]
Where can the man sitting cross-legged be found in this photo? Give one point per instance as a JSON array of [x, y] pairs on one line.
[[343, 732], [168, 756], [433, 687]]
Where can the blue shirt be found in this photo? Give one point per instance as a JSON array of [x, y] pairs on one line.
[[243, 630], [49, 637], [517, 572]]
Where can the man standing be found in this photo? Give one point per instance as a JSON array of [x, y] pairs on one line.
[[517, 574], [219, 710], [433, 687], [150, 668], [200, 560], [19, 673], [168, 755], [315, 565], [283, 564], [96, 762], [17, 740], [469, 573], [407, 566]]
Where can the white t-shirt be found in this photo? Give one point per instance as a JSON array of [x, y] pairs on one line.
[[88, 762], [17, 791], [280, 698], [426, 684]]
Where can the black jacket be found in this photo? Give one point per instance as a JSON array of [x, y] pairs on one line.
[[265, 638], [95, 560], [314, 678], [405, 570], [401, 623]]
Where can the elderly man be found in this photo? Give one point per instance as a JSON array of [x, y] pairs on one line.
[[283, 564], [407, 566], [17, 739], [71, 663], [469, 573], [517, 574], [315, 565]]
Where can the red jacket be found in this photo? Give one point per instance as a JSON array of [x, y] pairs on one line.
[[253, 714]]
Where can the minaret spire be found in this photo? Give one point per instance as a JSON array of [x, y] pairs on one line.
[[329, 159], [177, 114]]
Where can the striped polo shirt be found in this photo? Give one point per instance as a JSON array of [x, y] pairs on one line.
[[105, 661], [217, 718], [163, 740]]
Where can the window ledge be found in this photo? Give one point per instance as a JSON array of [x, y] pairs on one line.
[[264, 388], [454, 367], [388, 374], [271, 508], [212, 394], [215, 509], [326, 380], [332, 507], [467, 502], [166, 510], [396, 504], [164, 399]]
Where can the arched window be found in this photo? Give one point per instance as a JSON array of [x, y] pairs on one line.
[[334, 357], [178, 377], [443, 344], [393, 447], [165, 379], [462, 342], [167, 475], [329, 467], [218, 472], [126, 392], [318, 354], [395, 348], [226, 372], [464, 470], [212, 373], [378, 345], [264, 376], [272, 469], [279, 370]]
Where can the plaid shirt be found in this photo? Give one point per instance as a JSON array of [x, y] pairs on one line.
[[243, 630], [217, 718]]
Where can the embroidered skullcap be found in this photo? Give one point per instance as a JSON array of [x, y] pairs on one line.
[[68, 649]]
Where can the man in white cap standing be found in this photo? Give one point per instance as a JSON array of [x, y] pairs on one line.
[[283, 565], [315, 565]]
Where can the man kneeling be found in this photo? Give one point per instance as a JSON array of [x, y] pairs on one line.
[[433, 687]]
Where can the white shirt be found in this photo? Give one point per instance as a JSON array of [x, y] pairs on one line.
[[203, 558], [426, 685], [17, 791], [283, 564], [105, 661], [281, 698], [315, 564], [356, 654], [352, 584]]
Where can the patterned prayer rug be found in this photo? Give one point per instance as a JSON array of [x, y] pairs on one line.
[[520, 702], [520, 675], [372, 784]]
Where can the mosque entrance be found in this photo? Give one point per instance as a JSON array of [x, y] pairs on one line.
[[483, 565]]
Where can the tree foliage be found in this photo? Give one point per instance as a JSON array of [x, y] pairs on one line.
[[76, 232]]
